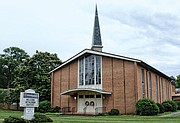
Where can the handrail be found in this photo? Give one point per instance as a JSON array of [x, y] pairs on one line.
[[84, 109], [66, 109], [100, 110]]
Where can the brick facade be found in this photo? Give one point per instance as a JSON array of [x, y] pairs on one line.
[[123, 78]]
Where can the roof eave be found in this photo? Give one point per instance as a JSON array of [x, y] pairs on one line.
[[148, 67], [96, 53]]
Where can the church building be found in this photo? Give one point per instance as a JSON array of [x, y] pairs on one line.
[[94, 81]]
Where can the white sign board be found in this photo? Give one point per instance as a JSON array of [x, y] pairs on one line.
[[29, 99]]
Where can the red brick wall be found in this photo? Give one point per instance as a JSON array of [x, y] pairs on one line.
[[73, 81], [64, 79], [56, 90], [107, 81], [118, 85], [119, 78], [130, 87]]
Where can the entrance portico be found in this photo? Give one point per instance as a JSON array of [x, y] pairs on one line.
[[89, 100]]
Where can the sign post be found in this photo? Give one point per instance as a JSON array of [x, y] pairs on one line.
[[29, 100]]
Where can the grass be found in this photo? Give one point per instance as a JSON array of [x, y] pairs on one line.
[[99, 119]]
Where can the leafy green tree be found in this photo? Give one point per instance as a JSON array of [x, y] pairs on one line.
[[11, 59], [3, 72], [3, 94], [178, 81], [13, 95], [35, 73]]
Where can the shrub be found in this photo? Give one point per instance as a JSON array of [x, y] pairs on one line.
[[178, 104], [103, 114], [11, 119], [114, 112], [170, 105], [44, 106], [41, 118], [161, 108], [146, 107], [55, 109], [167, 106]]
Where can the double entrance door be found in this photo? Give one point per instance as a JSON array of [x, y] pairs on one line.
[[87, 103]]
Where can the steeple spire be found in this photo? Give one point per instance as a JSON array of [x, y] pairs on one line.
[[96, 39]]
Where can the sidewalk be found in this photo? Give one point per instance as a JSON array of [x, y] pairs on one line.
[[173, 114]]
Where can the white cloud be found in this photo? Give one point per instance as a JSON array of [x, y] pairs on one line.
[[144, 29]]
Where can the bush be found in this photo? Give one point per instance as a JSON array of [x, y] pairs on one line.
[[55, 109], [161, 108], [44, 106], [146, 107], [170, 106], [178, 104], [11, 119], [103, 114], [167, 106], [114, 112], [41, 118]]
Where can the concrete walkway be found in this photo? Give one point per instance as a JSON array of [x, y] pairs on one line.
[[173, 114]]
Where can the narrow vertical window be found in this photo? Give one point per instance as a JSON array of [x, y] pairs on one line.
[[98, 70], [168, 89], [150, 85], [157, 92], [160, 93], [143, 86], [81, 71], [162, 89], [89, 70], [167, 97]]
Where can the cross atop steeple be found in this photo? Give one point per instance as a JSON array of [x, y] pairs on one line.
[[96, 39]]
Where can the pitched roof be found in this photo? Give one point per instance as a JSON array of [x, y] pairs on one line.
[[89, 51], [86, 51]]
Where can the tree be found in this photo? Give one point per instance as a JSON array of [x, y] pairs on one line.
[[11, 59], [13, 95], [178, 81], [3, 71], [35, 73]]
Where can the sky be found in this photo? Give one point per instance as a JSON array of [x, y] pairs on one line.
[[148, 30]]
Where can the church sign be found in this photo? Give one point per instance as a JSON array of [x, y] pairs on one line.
[[29, 100]]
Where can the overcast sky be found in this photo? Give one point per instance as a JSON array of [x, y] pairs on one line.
[[148, 30]]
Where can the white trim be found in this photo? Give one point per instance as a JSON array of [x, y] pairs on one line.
[[96, 53], [85, 89]]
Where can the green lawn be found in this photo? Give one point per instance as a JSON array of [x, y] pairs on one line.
[[99, 119]]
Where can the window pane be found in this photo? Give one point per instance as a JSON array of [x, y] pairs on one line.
[[143, 86], [150, 85], [91, 96], [81, 71], [98, 96], [98, 70], [81, 96], [89, 70], [86, 96], [157, 96]]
